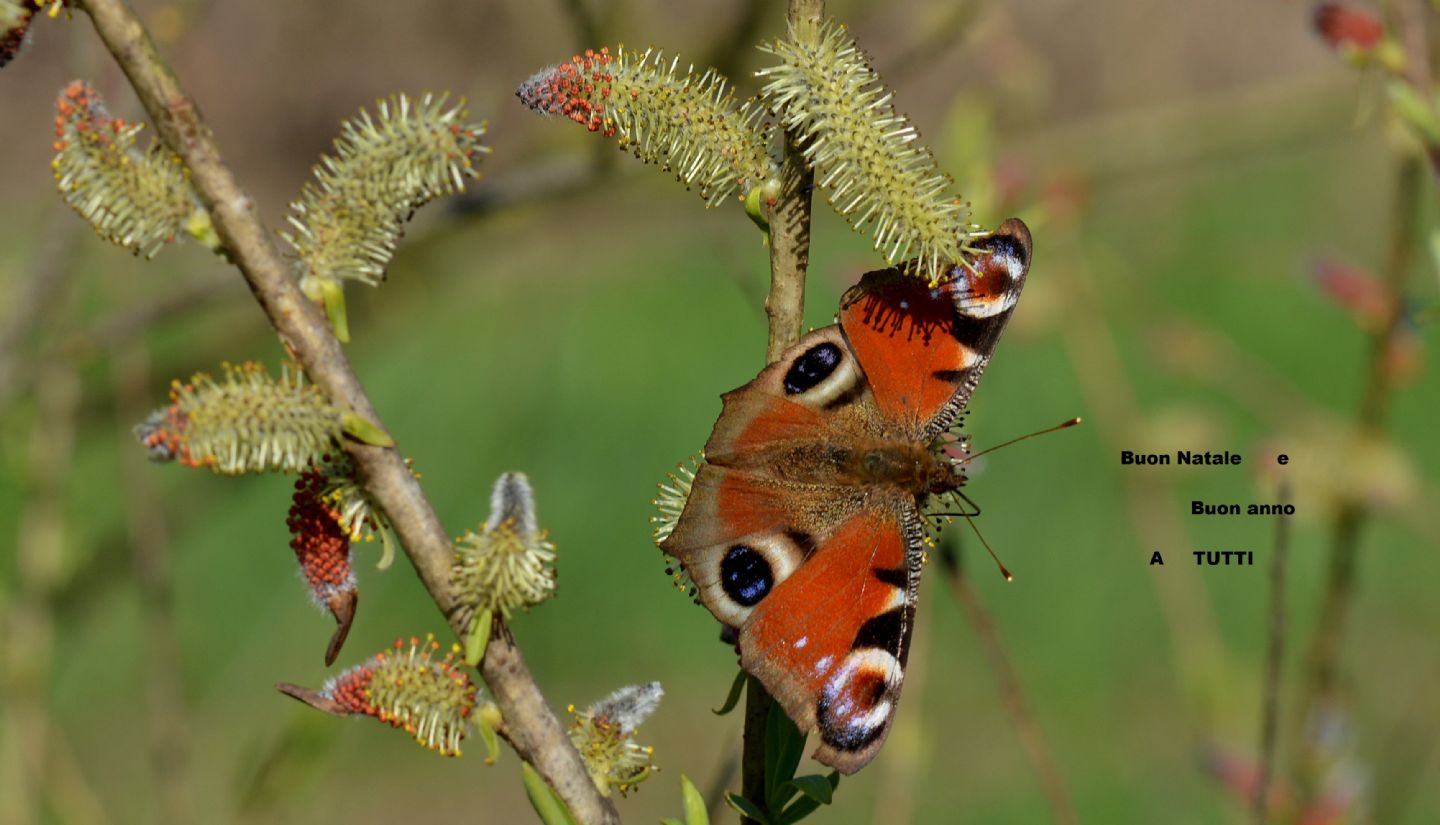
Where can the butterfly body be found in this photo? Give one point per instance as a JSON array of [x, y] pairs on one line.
[[804, 527]]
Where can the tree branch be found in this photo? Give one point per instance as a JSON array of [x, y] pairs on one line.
[[535, 732], [790, 216], [785, 309]]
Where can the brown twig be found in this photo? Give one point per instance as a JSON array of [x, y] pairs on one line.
[[1032, 738], [1324, 654], [790, 216], [536, 733], [1274, 657], [1370, 418], [785, 309]]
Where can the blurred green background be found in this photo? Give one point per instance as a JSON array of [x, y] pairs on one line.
[[1183, 168]]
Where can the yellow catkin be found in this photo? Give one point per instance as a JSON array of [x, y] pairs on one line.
[[346, 223], [867, 157]]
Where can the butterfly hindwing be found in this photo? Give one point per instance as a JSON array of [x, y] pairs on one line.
[[830, 642], [923, 348]]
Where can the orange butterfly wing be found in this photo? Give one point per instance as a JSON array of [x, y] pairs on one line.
[[820, 574], [924, 348]]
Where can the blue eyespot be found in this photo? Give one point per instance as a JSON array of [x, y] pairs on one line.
[[811, 368], [745, 575]]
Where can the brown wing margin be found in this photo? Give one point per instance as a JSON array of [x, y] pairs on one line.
[[923, 348]]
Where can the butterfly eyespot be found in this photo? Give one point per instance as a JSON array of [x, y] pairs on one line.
[[734, 578], [814, 366], [858, 699], [745, 575]]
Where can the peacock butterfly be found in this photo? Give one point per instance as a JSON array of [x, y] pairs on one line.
[[803, 529]]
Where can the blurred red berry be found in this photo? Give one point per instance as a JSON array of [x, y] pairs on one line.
[[1355, 290], [1346, 26]]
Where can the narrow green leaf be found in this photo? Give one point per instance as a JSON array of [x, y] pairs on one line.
[[784, 745], [695, 813], [746, 808], [547, 804], [492, 744], [479, 637], [733, 697], [365, 431], [755, 209], [333, 294], [1414, 110], [814, 786], [387, 553], [671, 821], [807, 804], [803, 807]]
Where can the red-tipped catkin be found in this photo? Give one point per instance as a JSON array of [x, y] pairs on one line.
[[15, 16], [686, 123], [407, 688], [137, 200], [248, 423]]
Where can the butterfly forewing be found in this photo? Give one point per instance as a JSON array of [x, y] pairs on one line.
[[924, 348]]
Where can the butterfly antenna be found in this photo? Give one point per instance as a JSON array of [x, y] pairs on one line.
[[1004, 571], [1062, 425]]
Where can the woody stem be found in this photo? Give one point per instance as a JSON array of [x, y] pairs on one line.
[[785, 310], [535, 732]]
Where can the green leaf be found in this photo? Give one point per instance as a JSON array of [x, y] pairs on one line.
[[387, 554], [479, 637], [815, 786], [807, 804], [784, 745], [1418, 113], [547, 803], [199, 227], [746, 808], [803, 807], [365, 431], [733, 697], [491, 740], [671, 821], [695, 812], [333, 295], [755, 209]]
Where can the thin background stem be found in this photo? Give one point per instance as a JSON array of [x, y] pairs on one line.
[[535, 732], [1348, 525], [1032, 736], [1274, 659]]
